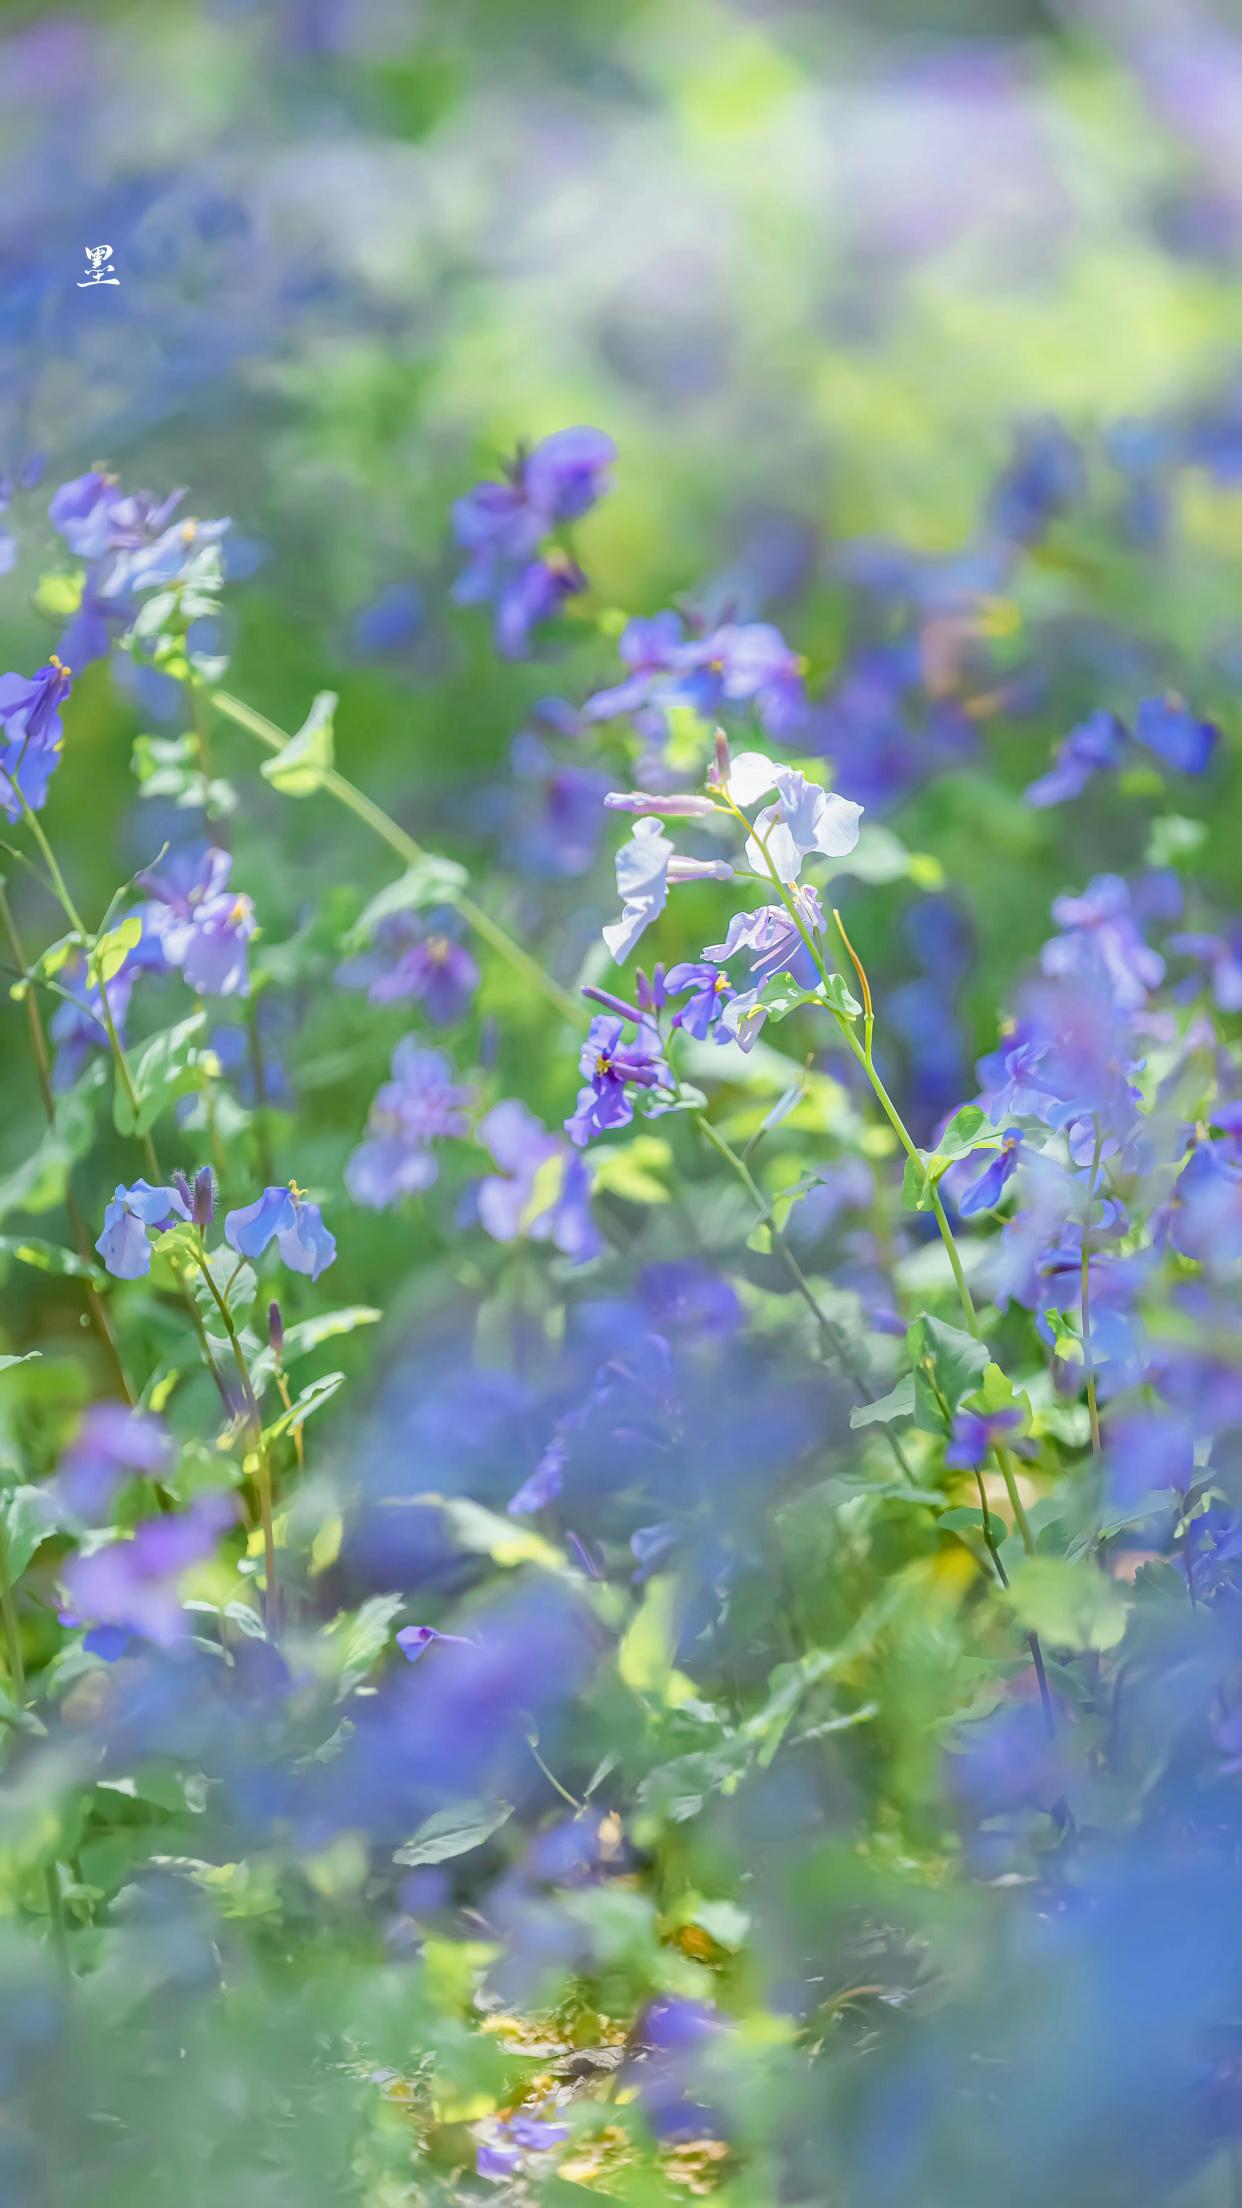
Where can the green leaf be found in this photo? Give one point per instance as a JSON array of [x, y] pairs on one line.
[[898, 1403], [1069, 1605], [782, 995], [357, 1638], [40, 1181], [170, 1066], [298, 769], [110, 951], [31, 1514], [454, 1831], [967, 1131], [433, 881], [947, 1363], [310, 1400], [48, 1257], [649, 1643], [308, 1334], [840, 998]]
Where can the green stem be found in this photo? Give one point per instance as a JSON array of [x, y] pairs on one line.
[[263, 1470], [830, 1335], [1093, 1408], [866, 1061], [43, 1075], [389, 831]]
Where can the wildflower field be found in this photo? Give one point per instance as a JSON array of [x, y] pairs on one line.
[[621, 1104]]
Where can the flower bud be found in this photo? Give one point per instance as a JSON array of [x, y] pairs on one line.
[[184, 1191], [276, 1330], [724, 764], [204, 1196]]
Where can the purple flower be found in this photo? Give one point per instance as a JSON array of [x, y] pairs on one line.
[[1169, 728], [133, 1214], [201, 926], [82, 512], [287, 1217], [774, 941], [420, 1105], [1222, 955], [736, 664], [985, 1193], [975, 1434], [1097, 744], [1044, 478], [419, 961], [613, 1066], [1101, 937], [31, 734], [501, 526], [113, 1444], [500, 2154], [414, 1640], [133, 1585], [550, 812], [77, 1026], [514, 1200], [707, 990]]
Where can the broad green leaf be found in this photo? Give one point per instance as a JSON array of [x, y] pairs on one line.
[[305, 1405], [630, 1170], [31, 1514], [1069, 1605], [233, 1276], [299, 768], [969, 1130], [947, 1363], [783, 994], [169, 1066], [49, 1257], [455, 1831], [40, 1181], [898, 1403], [356, 1640], [308, 1334], [110, 951]]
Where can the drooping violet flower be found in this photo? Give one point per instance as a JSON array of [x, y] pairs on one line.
[[287, 1217], [132, 1587], [1222, 956], [31, 734], [1103, 743], [540, 1188], [202, 927], [419, 961], [613, 1065], [735, 664], [985, 1193], [774, 941], [420, 1105], [133, 1215], [647, 866], [113, 1444]]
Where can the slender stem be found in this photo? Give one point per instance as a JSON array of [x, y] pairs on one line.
[[12, 1631], [1093, 1407], [830, 1335], [411, 853], [299, 1444], [263, 1470], [43, 1072], [864, 1056]]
